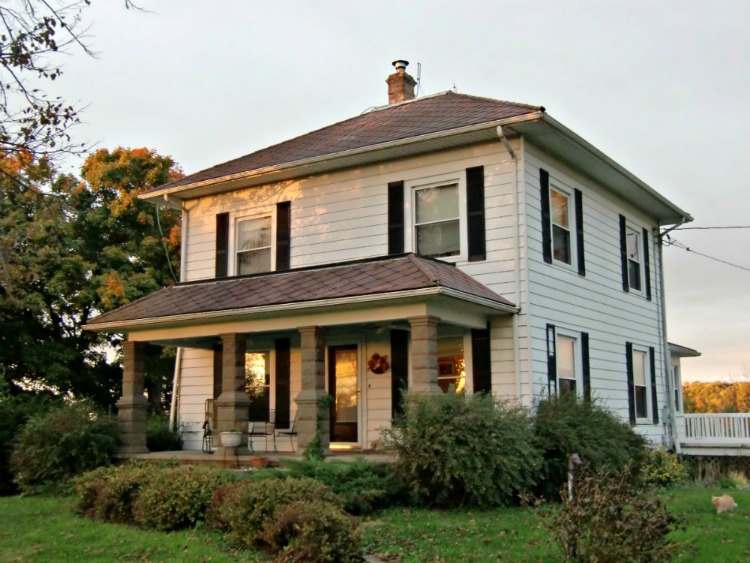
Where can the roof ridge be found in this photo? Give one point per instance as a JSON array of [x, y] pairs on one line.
[[421, 264]]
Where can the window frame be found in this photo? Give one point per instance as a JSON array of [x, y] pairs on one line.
[[236, 219], [410, 209], [648, 418], [631, 229], [577, 359], [572, 228]]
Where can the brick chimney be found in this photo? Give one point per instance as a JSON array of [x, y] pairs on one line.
[[400, 84]]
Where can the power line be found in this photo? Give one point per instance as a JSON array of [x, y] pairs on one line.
[[678, 244], [711, 228]]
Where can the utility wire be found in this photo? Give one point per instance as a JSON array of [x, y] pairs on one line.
[[164, 244], [678, 244], [711, 228]]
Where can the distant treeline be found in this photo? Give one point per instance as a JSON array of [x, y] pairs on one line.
[[716, 396]]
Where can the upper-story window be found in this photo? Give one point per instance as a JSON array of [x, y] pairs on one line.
[[253, 247], [634, 253], [437, 222], [562, 219]]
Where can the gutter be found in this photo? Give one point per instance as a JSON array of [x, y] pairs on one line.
[[115, 326]]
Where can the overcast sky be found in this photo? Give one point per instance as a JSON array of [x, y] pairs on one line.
[[661, 87]]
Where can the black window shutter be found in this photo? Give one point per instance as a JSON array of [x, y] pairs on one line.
[[399, 369], [579, 233], [283, 377], [283, 235], [585, 366], [480, 359], [217, 383], [546, 227], [624, 253], [222, 245], [475, 213], [395, 218], [646, 265], [631, 389], [551, 360], [652, 366]]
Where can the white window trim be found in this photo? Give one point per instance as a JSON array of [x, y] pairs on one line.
[[572, 226], [577, 358], [647, 377], [410, 242], [235, 220], [638, 231]]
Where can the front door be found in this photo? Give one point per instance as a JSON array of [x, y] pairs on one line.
[[343, 387]]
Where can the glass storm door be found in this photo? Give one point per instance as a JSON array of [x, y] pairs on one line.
[[342, 385]]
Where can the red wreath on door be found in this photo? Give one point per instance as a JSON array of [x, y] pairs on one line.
[[378, 364]]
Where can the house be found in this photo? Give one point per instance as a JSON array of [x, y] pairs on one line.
[[436, 242]]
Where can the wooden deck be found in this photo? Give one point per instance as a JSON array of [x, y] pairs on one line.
[[726, 434]]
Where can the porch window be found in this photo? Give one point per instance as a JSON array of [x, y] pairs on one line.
[[254, 245], [258, 385], [640, 385], [437, 221], [451, 364]]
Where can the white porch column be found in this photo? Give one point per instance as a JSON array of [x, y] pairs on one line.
[[313, 387], [424, 354]]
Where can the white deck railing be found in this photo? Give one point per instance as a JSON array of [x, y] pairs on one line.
[[715, 429]]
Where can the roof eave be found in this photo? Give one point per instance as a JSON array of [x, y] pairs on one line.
[[400, 148], [230, 314], [614, 176]]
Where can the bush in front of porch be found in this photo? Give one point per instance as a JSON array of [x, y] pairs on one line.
[[454, 449]]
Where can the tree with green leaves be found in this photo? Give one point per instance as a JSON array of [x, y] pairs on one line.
[[70, 249]]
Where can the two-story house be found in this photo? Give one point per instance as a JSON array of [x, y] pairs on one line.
[[436, 243]]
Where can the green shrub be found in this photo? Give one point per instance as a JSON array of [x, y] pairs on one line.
[[454, 449], [243, 509], [312, 532], [69, 439], [159, 438], [176, 497], [613, 518], [108, 493], [362, 486], [659, 468], [15, 411], [567, 424]]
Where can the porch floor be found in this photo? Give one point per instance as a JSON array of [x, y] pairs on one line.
[[242, 457]]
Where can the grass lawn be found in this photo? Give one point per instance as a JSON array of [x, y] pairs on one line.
[[45, 529]]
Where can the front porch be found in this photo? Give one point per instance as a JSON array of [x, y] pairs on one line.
[[360, 333]]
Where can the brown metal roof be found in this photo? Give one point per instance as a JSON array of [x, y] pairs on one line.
[[422, 116], [355, 279]]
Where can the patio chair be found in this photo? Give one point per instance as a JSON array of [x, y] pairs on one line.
[[262, 429], [291, 433]]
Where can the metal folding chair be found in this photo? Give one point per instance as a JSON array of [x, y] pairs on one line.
[[291, 433], [262, 429]]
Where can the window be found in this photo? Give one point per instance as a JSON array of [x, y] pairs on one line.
[[566, 365], [633, 249], [561, 217], [640, 384], [677, 386], [258, 384], [253, 245], [451, 364], [437, 224]]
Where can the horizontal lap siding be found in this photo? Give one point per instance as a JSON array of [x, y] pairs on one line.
[[595, 303], [196, 385]]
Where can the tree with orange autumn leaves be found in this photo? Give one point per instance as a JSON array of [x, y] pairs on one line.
[[716, 396], [71, 248]]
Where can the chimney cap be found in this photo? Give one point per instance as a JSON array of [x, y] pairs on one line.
[[400, 64]]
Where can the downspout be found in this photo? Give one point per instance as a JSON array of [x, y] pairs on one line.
[[517, 263], [178, 359], [175, 390], [665, 341]]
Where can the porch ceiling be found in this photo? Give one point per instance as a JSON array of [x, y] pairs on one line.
[[371, 290]]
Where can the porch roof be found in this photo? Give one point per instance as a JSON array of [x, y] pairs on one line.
[[405, 275]]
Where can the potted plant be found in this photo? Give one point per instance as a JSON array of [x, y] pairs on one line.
[[231, 438]]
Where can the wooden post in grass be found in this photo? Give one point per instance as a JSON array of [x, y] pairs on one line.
[[574, 462]]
